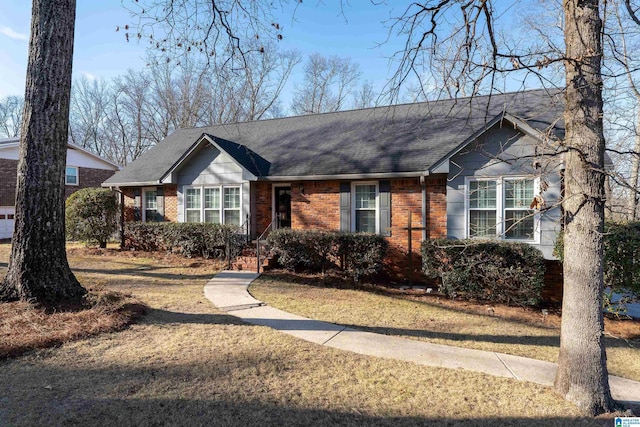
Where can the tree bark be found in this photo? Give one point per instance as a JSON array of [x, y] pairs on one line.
[[38, 267], [582, 376]]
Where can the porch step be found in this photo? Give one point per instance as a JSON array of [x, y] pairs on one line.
[[248, 263]]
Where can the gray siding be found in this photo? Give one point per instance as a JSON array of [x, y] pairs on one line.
[[208, 166], [504, 152]]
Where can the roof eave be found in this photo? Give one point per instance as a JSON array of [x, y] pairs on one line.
[[345, 176]]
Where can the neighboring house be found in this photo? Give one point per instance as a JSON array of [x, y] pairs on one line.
[[84, 169], [463, 168]]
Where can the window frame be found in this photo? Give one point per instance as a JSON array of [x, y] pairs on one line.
[[202, 209], [77, 176], [199, 209], [354, 209], [501, 206], [143, 202]]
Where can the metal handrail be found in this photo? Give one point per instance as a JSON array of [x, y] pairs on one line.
[[266, 230]]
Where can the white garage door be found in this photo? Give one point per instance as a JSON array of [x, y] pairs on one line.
[[6, 222]]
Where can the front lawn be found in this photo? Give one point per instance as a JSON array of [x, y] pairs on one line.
[[187, 363], [437, 320]]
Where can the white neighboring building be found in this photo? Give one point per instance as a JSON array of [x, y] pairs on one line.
[[84, 169]]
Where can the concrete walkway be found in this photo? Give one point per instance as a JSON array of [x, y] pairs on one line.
[[228, 290]]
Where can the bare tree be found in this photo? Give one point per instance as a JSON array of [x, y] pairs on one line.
[[11, 116], [88, 114], [327, 84], [625, 114], [38, 268], [582, 371]]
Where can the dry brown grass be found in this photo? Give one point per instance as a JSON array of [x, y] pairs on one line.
[[186, 363], [24, 327], [433, 319]]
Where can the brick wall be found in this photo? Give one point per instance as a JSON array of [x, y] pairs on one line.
[[261, 198], [171, 203], [318, 207], [8, 171], [87, 177]]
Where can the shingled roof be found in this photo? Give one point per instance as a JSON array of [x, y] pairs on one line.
[[389, 140]]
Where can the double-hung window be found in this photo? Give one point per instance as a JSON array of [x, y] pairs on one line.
[[71, 175], [518, 217], [500, 208], [232, 205], [483, 208], [215, 204], [193, 204], [366, 207], [212, 205], [150, 205]]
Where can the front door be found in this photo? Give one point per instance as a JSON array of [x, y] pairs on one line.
[[283, 206]]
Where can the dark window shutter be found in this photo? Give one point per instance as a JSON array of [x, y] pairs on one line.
[[160, 204], [384, 194], [345, 206], [137, 204]]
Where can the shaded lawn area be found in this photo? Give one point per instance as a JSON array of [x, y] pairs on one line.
[[187, 363], [432, 319]]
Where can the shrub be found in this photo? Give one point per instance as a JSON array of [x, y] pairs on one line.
[[303, 250], [188, 239], [91, 215], [505, 272], [621, 263], [361, 254]]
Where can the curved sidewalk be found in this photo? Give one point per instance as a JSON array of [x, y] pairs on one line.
[[228, 290]]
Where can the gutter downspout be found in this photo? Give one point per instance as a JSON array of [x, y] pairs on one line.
[[423, 184], [121, 193]]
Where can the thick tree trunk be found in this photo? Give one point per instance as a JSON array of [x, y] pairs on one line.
[[38, 267], [582, 376]]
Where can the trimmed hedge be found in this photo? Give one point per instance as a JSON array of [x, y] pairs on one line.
[[188, 239], [505, 272], [359, 254]]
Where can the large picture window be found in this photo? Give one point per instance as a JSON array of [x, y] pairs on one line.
[[366, 207], [217, 205], [500, 208]]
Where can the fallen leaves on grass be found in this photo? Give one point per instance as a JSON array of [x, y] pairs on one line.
[[24, 327]]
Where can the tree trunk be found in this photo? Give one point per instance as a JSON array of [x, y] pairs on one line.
[[38, 267], [582, 376]]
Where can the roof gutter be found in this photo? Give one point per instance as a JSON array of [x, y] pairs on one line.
[[130, 184], [346, 176]]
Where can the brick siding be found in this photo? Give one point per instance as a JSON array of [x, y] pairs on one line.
[[8, 176], [316, 205], [87, 177]]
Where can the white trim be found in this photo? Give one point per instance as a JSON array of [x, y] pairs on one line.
[[500, 203], [75, 184], [353, 203], [167, 177], [442, 165], [143, 201], [222, 209], [345, 176]]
